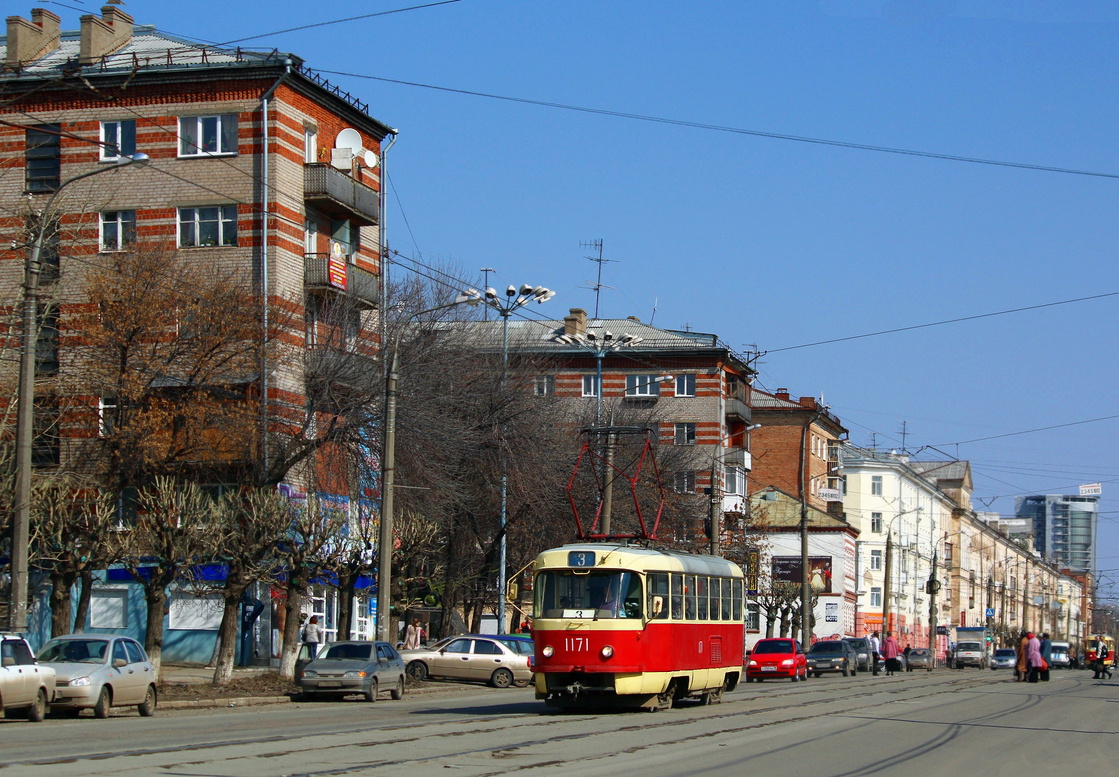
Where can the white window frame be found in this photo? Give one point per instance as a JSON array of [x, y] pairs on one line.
[[875, 596], [108, 608], [115, 137], [223, 212], [684, 433], [685, 384], [876, 522], [123, 222], [310, 237], [590, 386], [544, 386], [642, 386], [876, 560], [106, 408], [310, 145], [200, 129], [876, 485], [735, 481]]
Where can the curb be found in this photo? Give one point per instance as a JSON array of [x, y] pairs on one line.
[[240, 701]]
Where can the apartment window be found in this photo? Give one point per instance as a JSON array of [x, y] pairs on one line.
[[118, 229], [684, 483], [213, 226], [545, 386], [310, 145], [208, 135], [107, 411], [876, 560], [118, 138], [685, 434], [310, 237], [46, 341], [342, 231], [735, 481], [876, 522], [753, 618], [875, 597], [641, 386], [685, 385], [590, 385], [44, 158], [876, 485]]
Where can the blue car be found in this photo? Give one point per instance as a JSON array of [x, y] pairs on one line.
[[1004, 658]]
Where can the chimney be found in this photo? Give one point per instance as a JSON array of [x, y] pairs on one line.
[[575, 324], [30, 40], [782, 393], [809, 402], [101, 37]]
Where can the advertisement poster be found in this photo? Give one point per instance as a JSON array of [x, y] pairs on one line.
[[787, 569]]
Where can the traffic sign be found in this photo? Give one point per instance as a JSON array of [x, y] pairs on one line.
[[990, 612]]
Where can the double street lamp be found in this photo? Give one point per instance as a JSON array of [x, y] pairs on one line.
[[514, 300], [25, 418]]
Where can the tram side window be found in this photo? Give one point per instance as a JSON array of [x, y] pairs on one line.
[[631, 600], [736, 602], [717, 584], [677, 597], [658, 587], [728, 583], [689, 597], [701, 597]]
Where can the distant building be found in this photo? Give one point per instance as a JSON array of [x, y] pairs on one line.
[[1064, 528]]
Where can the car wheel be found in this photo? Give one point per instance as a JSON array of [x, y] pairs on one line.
[[371, 694], [146, 708], [846, 672], [398, 691], [502, 678], [417, 670], [815, 674], [104, 702], [37, 711]]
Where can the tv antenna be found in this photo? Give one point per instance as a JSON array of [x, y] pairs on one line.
[[485, 285], [596, 245]]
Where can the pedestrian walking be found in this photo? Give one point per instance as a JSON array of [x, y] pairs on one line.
[[875, 652], [312, 636], [1046, 657], [1021, 668], [414, 635], [1033, 656], [890, 652]]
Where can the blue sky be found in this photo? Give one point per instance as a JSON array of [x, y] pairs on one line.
[[766, 241]]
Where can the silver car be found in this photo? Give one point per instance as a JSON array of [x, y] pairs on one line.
[[98, 672], [345, 668], [500, 661]]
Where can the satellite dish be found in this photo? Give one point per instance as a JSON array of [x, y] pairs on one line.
[[349, 138], [370, 159]]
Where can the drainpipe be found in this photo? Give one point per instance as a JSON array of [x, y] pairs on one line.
[[264, 194]]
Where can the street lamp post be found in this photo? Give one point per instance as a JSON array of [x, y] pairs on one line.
[[388, 478], [514, 299], [25, 418]]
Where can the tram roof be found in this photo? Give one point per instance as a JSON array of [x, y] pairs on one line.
[[618, 557]]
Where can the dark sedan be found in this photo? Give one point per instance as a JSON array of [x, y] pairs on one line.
[[832, 655], [344, 668]]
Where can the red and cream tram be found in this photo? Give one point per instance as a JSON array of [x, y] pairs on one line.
[[620, 625]]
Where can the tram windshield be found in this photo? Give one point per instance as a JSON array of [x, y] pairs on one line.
[[594, 595]]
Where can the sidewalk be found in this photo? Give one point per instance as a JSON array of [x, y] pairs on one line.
[[197, 673], [196, 680]]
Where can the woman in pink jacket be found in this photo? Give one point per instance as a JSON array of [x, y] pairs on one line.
[[890, 653], [1033, 655]]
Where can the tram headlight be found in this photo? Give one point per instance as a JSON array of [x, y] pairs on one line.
[[548, 651], [607, 651]]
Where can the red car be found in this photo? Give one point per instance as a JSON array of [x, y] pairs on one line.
[[776, 658]]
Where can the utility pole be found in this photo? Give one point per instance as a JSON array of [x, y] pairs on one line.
[[805, 587], [933, 587], [886, 580]]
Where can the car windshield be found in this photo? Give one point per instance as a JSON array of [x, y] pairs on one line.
[[1005, 653], [918, 652], [350, 652], [827, 647], [74, 651], [970, 646], [773, 647], [565, 594]]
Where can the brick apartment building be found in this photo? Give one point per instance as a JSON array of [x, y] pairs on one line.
[[688, 386], [257, 166]]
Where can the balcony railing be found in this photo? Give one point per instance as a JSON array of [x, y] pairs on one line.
[[736, 408], [341, 196], [739, 457], [361, 285]]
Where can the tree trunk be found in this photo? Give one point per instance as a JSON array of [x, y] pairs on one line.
[[156, 597], [85, 594], [293, 606], [62, 584], [227, 637], [346, 584]]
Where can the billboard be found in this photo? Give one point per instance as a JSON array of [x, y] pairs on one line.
[[787, 569]]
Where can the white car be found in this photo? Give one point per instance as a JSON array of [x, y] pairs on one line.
[[26, 688], [98, 672]]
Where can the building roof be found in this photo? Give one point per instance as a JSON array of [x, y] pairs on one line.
[[943, 470], [782, 511]]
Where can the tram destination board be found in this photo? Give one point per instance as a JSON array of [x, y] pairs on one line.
[[581, 558]]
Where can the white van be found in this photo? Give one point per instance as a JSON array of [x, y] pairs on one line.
[[1059, 655]]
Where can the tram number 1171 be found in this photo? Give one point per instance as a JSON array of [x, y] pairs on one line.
[[576, 644]]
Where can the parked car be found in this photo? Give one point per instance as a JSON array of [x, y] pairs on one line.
[[501, 661], [98, 672], [26, 687], [1004, 658], [1059, 656], [862, 650], [919, 658], [832, 655], [776, 658], [346, 668]]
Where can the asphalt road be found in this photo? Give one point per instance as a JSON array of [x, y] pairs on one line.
[[948, 722]]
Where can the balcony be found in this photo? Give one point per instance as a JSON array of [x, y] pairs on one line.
[[736, 408], [739, 457], [340, 196], [361, 285]]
